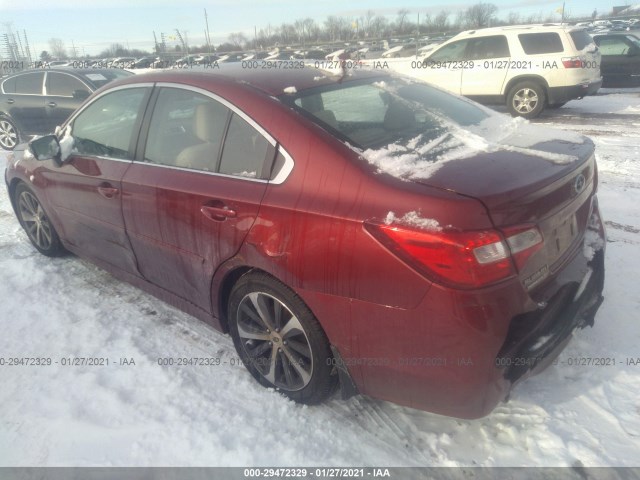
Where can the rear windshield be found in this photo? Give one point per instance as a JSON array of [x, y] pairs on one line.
[[378, 114], [537, 43], [101, 77], [581, 39]]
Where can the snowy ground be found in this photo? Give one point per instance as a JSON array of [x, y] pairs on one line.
[[145, 414]]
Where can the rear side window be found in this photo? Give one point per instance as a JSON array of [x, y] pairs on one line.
[[61, 85], [613, 46], [245, 150], [9, 85], [537, 43], [29, 83], [186, 130], [581, 39]]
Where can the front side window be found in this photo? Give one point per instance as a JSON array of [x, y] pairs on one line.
[[62, 85], [538, 43], [450, 53], [106, 127]]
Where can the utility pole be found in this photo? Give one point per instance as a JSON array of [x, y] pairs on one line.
[[206, 33]]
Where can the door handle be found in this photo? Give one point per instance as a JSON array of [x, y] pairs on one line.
[[52, 104], [217, 214], [10, 101], [108, 192]]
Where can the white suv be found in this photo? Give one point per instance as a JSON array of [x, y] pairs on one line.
[[529, 67]]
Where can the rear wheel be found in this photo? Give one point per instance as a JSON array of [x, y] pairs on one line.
[[526, 99], [8, 134], [279, 340], [36, 223]]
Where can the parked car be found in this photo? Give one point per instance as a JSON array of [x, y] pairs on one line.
[[232, 57], [620, 59], [123, 62], [257, 56], [343, 230], [186, 60], [315, 54], [143, 62], [528, 67], [33, 102], [404, 50], [206, 59]]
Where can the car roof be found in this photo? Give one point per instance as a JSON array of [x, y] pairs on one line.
[[534, 28], [272, 81]]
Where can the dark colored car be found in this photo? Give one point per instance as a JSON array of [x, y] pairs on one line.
[[620, 65], [34, 102], [342, 229]]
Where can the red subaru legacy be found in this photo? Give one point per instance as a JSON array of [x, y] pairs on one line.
[[363, 232]]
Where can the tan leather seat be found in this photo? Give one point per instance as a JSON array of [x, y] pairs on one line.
[[208, 127]]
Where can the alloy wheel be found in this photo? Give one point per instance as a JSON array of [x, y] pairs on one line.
[[36, 222], [275, 341], [8, 135]]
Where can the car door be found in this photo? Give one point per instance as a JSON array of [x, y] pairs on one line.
[[191, 199], [86, 190], [488, 62], [63, 94], [620, 63], [24, 102], [443, 67]]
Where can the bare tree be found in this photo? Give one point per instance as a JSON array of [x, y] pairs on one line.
[[56, 46], [402, 18], [368, 22], [441, 21], [479, 15], [238, 39], [514, 18]]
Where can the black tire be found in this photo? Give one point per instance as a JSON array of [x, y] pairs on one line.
[[556, 105], [9, 136], [526, 99], [36, 223], [273, 331]]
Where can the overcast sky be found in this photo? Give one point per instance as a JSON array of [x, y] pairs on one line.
[[94, 25]]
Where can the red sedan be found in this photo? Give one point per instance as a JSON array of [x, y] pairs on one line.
[[360, 231]]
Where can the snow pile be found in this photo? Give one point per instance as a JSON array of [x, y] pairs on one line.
[[413, 219], [290, 90]]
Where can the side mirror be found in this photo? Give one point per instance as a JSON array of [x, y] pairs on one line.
[[46, 148], [80, 94]]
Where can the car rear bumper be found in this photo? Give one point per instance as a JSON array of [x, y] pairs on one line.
[[572, 92], [460, 353]]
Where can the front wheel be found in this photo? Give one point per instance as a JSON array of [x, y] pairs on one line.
[[279, 340], [526, 99], [36, 223], [8, 134]]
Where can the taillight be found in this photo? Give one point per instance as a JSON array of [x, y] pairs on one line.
[[466, 260], [572, 62]]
